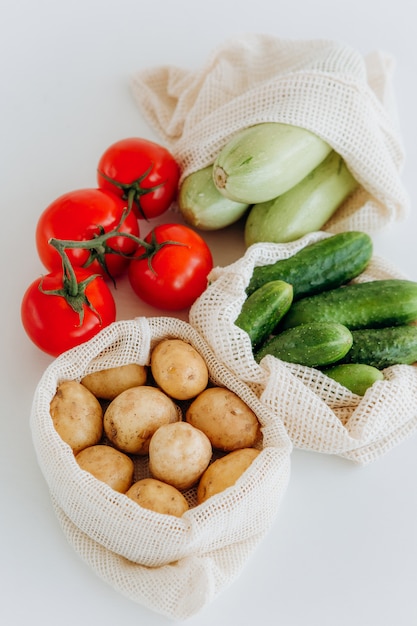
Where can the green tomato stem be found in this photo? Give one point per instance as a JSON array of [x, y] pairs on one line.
[[70, 280], [73, 291], [99, 245], [132, 192]]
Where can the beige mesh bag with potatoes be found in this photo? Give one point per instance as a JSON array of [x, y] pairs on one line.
[[172, 565], [319, 414], [323, 86]]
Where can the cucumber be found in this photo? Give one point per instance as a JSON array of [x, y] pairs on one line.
[[262, 311], [263, 161], [303, 209], [322, 265], [203, 206], [357, 377], [316, 344], [373, 304], [383, 347]]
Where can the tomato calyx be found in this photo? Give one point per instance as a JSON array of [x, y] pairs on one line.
[[153, 247], [73, 291], [132, 192], [98, 246]]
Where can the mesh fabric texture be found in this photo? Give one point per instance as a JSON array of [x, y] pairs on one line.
[[171, 565]]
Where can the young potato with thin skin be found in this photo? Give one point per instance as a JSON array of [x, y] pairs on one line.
[[179, 454], [225, 418], [108, 465], [134, 415], [77, 415], [224, 472], [109, 383], [178, 369], [158, 496]]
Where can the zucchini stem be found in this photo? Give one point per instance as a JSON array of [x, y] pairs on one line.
[[220, 177]]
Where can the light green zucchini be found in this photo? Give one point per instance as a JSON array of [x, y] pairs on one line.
[[305, 208], [203, 206], [264, 161]]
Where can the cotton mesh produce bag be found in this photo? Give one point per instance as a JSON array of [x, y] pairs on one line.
[[323, 86], [319, 414], [174, 566]]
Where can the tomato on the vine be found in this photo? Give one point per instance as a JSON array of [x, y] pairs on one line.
[[144, 173], [74, 312], [171, 271], [82, 215]]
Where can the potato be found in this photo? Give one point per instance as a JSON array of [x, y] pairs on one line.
[[109, 383], [224, 472], [133, 416], [158, 496], [226, 420], [179, 454], [108, 465], [77, 415], [178, 369]]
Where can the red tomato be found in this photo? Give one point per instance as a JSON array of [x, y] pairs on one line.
[[141, 171], [81, 215], [175, 274], [50, 321]]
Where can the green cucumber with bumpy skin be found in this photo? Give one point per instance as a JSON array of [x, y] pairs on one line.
[[203, 206], [262, 310], [357, 377], [303, 209], [373, 304], [263, 161], [320, 266], [315, 345], [383, 347]]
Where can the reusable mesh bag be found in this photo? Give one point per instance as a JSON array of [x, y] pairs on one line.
[[323, 86], [172, 565], [319, 414]]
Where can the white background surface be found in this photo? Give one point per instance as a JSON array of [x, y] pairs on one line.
[[343, 550]]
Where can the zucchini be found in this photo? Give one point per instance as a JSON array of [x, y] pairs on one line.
[[322, 265], [303, 209], [262, 310], [383, 347], [263, 161], [357, 377], [377, 303], [316, 344], [203, 206]]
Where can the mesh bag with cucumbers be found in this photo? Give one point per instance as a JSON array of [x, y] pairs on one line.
[[325, 334]]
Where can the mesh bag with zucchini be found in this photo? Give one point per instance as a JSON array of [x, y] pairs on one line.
[[319, 124], [169, 534], [325, 334]]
